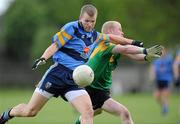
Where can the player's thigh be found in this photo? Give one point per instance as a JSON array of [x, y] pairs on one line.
[[37, 101], [82, 103], [113, 107]]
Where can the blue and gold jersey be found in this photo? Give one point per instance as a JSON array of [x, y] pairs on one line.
[[75, 44]]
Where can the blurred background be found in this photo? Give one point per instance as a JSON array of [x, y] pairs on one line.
[[27, 27]]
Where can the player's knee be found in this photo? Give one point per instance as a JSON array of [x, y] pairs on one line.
[[123, 113], [88, 112], [31, 112], [126, 113]]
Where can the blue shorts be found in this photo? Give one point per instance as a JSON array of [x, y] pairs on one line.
[[160, 84], [58, 81]]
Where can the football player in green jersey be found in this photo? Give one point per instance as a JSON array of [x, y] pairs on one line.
[[103, 61]]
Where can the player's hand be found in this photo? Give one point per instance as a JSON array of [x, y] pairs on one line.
[[137, 43], [38, 62], [151, 58], [154, 51]]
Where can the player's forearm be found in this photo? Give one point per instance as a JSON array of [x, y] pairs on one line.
[[50, 51], [128, 49], [119, 40], [137, 57]]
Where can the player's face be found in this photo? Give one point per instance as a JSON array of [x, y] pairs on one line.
[[118, 30], [88, 22]]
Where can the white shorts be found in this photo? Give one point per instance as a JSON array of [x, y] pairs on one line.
[[71, 95]]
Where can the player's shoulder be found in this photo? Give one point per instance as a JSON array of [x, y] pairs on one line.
[[105, 47], [71, 24]]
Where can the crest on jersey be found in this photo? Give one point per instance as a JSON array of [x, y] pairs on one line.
[[48, 85], [83, 36], [85, 53]]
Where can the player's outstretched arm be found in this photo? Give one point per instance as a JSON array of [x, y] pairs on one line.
[[137, 57], [127, 49], [46, 55], [138, 53], [116, 39], [155, 51], [142, 57]]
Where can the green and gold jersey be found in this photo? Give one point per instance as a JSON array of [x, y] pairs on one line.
[[102, 61]]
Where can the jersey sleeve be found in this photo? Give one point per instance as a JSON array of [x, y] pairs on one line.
[[102, 37], [64, 35]]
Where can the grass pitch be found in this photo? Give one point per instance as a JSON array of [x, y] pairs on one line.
[[143, 108]]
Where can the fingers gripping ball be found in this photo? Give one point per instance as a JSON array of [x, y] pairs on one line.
[[83, 75]]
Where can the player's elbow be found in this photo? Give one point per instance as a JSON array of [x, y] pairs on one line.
[[88, 113]]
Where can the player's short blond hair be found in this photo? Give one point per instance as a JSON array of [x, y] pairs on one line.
[[109, 25], [89, 9]]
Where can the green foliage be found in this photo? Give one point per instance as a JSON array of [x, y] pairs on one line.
[[150, 21], [20, 27], [21, 23], [42, 39]]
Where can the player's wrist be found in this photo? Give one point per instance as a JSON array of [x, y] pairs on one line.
[[141, 50], [137, 43], [38, 62], [145, 51], [43, 59]]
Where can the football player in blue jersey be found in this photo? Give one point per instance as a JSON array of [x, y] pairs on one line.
[[70, 47], [162, 73]]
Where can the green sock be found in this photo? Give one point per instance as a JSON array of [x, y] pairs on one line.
[[78, 121]]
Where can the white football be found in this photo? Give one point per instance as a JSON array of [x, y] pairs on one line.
[[83, 75]]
